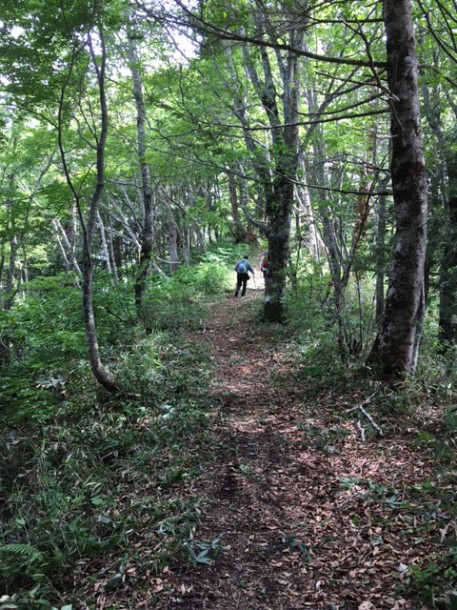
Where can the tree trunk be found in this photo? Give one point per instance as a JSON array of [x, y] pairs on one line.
[[116, 241], [379, 250], [63, 252], [147, 234], [173, 246], [306, 216], [67, 247], [393, 351], [185, 243], [104, 243], [239, 230], [448, 271], [110, 246], [100, 373], [279, 212], [279, 190], [10, 289]]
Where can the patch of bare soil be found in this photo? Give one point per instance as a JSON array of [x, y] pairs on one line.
[[302, 511]]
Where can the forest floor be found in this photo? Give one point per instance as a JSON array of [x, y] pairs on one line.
[[306, 502], [300, 509]]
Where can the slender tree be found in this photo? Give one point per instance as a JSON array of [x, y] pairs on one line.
[[147, 228], [89, 224]]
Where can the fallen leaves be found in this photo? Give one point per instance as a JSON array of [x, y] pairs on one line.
[[310, 517]]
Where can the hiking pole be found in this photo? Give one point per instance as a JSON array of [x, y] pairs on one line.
[[255, 285]]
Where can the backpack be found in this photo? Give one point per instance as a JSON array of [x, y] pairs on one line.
[[242, 266]]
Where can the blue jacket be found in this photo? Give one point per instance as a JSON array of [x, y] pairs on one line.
[[243, 266]]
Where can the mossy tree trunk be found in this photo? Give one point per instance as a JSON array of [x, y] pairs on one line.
[[396, 342]]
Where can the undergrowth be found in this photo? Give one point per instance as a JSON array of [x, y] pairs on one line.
[[89, 498], [88, 495], [338, 379]]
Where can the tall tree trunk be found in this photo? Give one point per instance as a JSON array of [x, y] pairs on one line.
[[239, 230], [111, 251], [10, 288], [443, 188], [117, 250], [67, 247], [448, 271], [278, 211], [101, 228], [63, 252], [185, 243], [394, 347], [147, 233], [380, 249], [88, 228], [173, 245], [306, 216], [279, 189], [2, 260]]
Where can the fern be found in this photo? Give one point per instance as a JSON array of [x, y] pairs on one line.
[[27, 551]]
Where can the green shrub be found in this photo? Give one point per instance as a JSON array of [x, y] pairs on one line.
[[71, 472], [206, 278]]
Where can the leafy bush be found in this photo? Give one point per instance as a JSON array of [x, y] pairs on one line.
[[314, 330], [182, 300], [206, 278]]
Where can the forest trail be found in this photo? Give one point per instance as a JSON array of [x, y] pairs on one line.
[[308, 515]]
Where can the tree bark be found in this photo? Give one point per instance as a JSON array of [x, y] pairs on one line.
[[305, 218], [173, 245], [111, 251], [10, 289], [380, 233], [67, 248], [279, 185], [100, 373], [393, 351], [104, 243], [147, 233], [239, 230], [448, 271]]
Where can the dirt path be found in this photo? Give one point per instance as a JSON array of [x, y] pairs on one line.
[[308, 515]]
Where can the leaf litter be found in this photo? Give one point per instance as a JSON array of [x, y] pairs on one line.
[[298, 511]]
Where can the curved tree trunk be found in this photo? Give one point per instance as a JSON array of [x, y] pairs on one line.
[[100, 373], [394, 347]]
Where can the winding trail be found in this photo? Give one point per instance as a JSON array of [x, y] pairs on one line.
[[308, 515]]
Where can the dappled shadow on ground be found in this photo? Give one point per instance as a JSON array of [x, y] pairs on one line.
[[301, 512]]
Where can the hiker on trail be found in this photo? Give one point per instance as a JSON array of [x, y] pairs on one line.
[[242, 267], [264, 264]]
